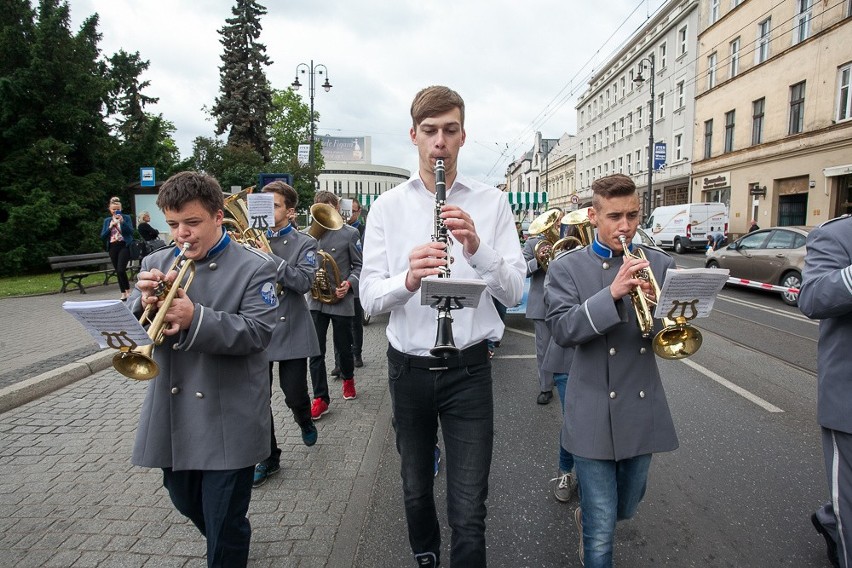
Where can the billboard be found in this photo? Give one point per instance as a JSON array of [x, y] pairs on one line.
[[345, 149]]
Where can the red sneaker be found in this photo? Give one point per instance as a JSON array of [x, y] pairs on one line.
[[349, 389], [318, 408]]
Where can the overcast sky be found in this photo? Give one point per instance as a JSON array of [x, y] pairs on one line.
[[520, 66]]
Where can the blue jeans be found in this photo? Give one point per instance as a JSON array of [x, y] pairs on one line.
[[610, 491], [462, 399], [566, 460]]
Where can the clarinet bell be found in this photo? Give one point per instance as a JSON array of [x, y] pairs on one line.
[[445, 347]]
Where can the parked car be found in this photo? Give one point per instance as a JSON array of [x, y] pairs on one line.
[[774, 256]]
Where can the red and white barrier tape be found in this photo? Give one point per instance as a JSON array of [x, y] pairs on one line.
[[762, 285]]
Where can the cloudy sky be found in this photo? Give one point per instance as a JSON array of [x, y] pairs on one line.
[[520, 66]]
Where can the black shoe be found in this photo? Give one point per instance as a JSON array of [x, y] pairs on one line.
[[830, 545], [309, 434], [544, 397], [335, 372], [358, 361]]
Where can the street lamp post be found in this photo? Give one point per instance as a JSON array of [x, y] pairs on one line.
[[649, 61], [312, 70]]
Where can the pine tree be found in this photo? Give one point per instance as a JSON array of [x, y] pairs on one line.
[[246, 96]]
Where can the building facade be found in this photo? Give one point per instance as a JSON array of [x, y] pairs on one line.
[[558, 177], [617, 117], [773, 110]]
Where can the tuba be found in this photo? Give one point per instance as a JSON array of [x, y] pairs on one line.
[[327, 279], [138, 364], [550, 245], [677, 339], [237, 221]]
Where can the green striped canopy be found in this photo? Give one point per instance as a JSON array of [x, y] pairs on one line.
[[526, 200]]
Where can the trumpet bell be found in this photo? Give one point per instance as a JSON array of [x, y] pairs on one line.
[[677, 341], [546, 223], [137, 365]]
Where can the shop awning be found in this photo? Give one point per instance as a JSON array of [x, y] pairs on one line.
[[366, 199], [526, 200]]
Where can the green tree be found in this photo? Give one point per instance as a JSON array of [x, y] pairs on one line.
[[231, 165], [289, 126], [245, 95]]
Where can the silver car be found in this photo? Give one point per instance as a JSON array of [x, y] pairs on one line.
[[772, 256]]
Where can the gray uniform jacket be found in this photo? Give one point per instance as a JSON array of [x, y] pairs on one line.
[[295, 255], [208, 409], [344, 246], [615, 405], [535, 298], [826, 294]]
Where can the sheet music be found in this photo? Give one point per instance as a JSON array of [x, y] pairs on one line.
[[690, 291], [345, 208], [105, 318], [466, 292], [261, 210]]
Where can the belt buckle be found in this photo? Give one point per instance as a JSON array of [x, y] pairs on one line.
[[439, 368]]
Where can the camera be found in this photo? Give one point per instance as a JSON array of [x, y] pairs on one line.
[[117, 212]]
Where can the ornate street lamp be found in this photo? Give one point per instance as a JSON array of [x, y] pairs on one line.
[[649, 63], [312, 71]]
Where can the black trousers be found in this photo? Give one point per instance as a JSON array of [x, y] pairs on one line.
[[119, 254], [293, 378], [342, 337], [217, 503], [357, 334]]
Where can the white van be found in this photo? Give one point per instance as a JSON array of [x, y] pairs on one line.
[[684, 227]]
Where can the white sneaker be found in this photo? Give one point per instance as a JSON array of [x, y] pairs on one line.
[[565, 485]]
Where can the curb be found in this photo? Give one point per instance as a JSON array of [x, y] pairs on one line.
[[26, 391]]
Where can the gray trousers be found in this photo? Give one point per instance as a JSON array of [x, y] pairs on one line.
[[542, 339], [836, 515]]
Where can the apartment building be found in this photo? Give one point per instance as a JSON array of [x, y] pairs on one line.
[[558, 176], [617, 116], [525, 180], [773, 110]]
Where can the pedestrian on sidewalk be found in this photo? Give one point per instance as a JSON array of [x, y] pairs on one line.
[[344, 246], [616, 414], [457, 390], [826, 295], [205, 417], [117, 235], [294, 338]]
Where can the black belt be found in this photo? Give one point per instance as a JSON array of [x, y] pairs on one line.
[[473, 355]]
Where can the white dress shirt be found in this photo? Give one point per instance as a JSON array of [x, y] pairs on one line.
[[402, 219]]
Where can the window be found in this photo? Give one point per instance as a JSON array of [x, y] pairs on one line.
[[607, 98], [729, 130], [630, 123], [663, 55], [678, 147], [708, 138], [714, 11], [711, 70], [682, 37], [639, 118], [680, 102], [661, 105], [582, 118], [638, 160], [623, 90], [797, 108], [581, 148], [735, 3], [761, 52], [595, 107], [802, 21], [621, 126], [844, 93], [620, 165], [629, 164], [758, 108], [735, 57], [607, 136], [594, 142], [614, 133]]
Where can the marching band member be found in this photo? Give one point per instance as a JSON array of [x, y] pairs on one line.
[[205, 418], [616, 413]]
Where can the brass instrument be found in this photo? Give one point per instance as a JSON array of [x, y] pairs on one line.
[[550, 245], [677, 339], [327, 278], [237, 218], [445, 345], [138, 363]]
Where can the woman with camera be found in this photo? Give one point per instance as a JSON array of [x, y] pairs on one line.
[[117, 234]]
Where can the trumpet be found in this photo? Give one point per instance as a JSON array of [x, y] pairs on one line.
[[138, 363], [677, 339]]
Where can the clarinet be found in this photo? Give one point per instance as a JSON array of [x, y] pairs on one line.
[[445, 347]]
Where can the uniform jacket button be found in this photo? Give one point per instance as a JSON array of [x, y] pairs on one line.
[[175, 390], [612, 351], [612, 394], [641, 394], [642, 350], [282, 318], [199, 395], [213, 266]]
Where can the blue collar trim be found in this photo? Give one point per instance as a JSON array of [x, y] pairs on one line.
[[270, 233], [217, 248], [604, 251]]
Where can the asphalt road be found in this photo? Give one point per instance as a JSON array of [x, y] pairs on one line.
[[738, 491]]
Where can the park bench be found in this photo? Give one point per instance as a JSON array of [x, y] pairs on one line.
[[74, 267]]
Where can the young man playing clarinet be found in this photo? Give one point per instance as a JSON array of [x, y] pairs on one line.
[[424, 389]]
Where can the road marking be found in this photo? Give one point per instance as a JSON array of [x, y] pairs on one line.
[[774, 311], [729, 385], [521, 331]]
